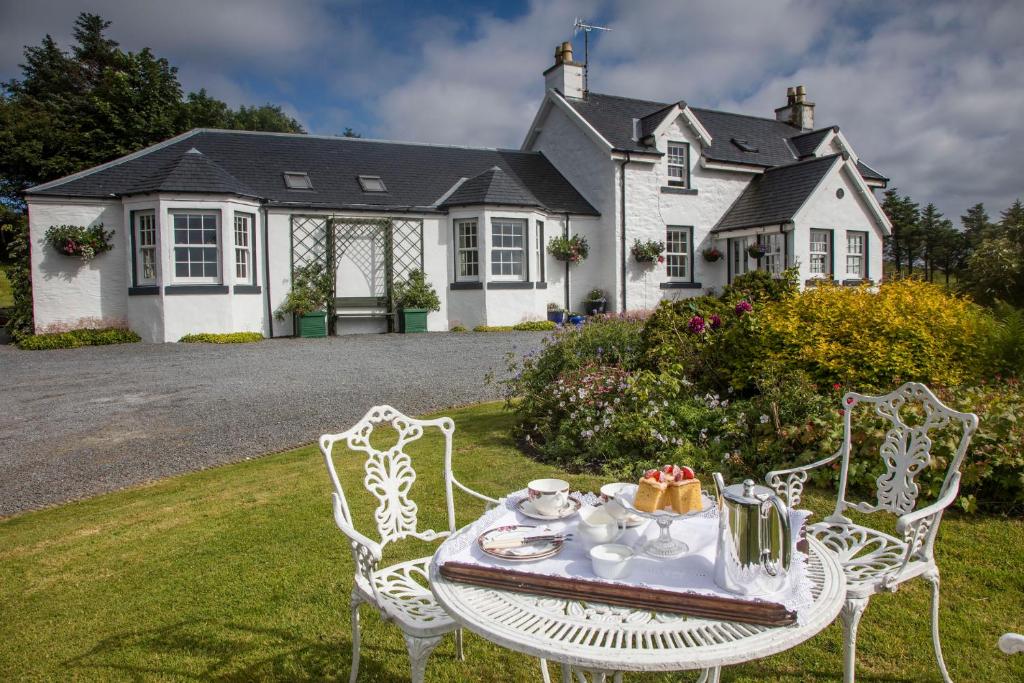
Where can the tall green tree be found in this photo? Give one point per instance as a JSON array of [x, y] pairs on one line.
[[976, 224], [903, 244], [935, 232], [995, 269], [268, 117]]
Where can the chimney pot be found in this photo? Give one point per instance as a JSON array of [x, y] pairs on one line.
[[566, 51], [566, 76]]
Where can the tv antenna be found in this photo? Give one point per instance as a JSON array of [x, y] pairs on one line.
[[581, 25]]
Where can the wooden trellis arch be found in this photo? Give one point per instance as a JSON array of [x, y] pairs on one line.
[[325, 239]]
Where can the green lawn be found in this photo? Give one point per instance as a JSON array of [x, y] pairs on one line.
[[238, 573], [6, 298]]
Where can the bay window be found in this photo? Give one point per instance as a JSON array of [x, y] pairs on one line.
[[508, 249], [196, 247], [467, 259]]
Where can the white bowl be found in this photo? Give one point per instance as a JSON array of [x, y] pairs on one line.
[[612, 560]]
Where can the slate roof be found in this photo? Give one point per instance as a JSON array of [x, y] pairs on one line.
[[253, 164], [776, 195], [777, 143], [493, 186], [868, 172]]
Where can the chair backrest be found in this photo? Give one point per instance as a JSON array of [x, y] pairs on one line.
[[389, 473], [906, 450]]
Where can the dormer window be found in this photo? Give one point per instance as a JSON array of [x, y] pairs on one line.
[[372, 183], [296, 180], [678, 164]]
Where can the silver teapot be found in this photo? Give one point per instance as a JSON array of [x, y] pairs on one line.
[[755, 543]]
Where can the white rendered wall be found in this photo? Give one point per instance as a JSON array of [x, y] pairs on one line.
[[649, 212], [823, 210], [69, 292]]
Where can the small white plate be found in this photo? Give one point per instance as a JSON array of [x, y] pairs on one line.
[[526, 507], [525, 553]]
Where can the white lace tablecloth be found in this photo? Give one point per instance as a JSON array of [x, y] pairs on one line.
[[691, 573]]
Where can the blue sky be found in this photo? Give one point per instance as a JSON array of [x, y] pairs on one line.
[[929, 92]]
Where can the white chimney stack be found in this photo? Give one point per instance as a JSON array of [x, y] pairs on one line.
[[566, 76], [798, 111]]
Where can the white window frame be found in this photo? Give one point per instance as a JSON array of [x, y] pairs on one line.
[[511, 251], [860, 256], [175, 245], [739, 260], [679, 253], [146, 243], [245, 250], [774, 259], [460, 249], [678, 166], [819, 250]]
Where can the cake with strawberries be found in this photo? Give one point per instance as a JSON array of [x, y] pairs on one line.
[[671, 486]]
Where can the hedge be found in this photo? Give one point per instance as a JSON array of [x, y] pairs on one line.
[[77, 338], [223, 338]]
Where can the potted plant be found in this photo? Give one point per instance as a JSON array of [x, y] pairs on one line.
[[80, 242], [757, 250], [712, 254], [569, 249], [308, 300], [576, 319], [415, 297], [595, 302], [556, 314], [648, 252]]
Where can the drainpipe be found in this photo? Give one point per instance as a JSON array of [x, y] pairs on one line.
[[565, 232], [622, 191], [266, 271]]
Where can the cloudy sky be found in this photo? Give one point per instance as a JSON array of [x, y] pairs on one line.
[[931, 93]]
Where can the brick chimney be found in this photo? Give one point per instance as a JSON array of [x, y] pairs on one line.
[[566, 76], [798, 112]]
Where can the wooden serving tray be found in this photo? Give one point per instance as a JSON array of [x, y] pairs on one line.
[[757, 612]]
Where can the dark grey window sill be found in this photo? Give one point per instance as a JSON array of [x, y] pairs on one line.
[[681, 285], [678, 190], [542, 285], [466, 285], [247, 289], [854, 282], [143, 290], [509, 285], [195, 289]]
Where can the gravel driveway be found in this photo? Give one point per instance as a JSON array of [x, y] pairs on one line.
[[78, 422]]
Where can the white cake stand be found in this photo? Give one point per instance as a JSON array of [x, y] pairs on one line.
[[664, 546]]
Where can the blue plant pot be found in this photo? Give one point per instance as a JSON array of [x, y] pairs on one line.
[[576, 319], [557, 317]]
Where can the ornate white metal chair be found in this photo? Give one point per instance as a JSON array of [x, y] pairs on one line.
[[397, 591], [874, 561]]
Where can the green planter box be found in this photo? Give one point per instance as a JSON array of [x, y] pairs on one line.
[[313, 325], [413, 319]]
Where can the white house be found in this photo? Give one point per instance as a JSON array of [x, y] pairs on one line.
[[209, 226]]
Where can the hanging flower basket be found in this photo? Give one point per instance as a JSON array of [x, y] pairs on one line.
[[712, 254], [80, 242], [648, 252], [756, 250], [569, 249]]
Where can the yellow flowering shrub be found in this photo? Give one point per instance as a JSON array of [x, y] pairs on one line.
[[907, 330]]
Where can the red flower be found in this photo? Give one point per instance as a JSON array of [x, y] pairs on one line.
[[661, 259], [836, 386]]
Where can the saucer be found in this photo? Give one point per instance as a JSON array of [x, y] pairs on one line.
[[525, 506], [525, 553]]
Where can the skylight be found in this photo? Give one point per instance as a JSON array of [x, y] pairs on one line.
[[744, 145], [372, 183], [295, 180]]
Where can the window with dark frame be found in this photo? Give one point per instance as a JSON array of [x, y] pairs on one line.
[[145, 245], [467, 250], [679, 253], [372, 183], [678, 164], [820, 261], [196, 252], [244, 238], [541, 269], [508, 247], [856, 245], [296, 180]]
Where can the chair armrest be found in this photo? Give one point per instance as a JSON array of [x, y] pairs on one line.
[[491, 502], [905, 522], [365, 552], [792, 486]]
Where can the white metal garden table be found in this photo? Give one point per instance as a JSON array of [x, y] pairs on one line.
[[605, 641]]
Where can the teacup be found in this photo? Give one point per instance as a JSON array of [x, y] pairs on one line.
[[596, 526], [612, 560], [548, 496], [608, 493]]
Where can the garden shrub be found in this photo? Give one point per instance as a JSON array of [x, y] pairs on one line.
[[459, 328], [908, 330], [535, 326], [1004, 349], [20, 320], [221, 338], [492, 328], [77, 338]]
